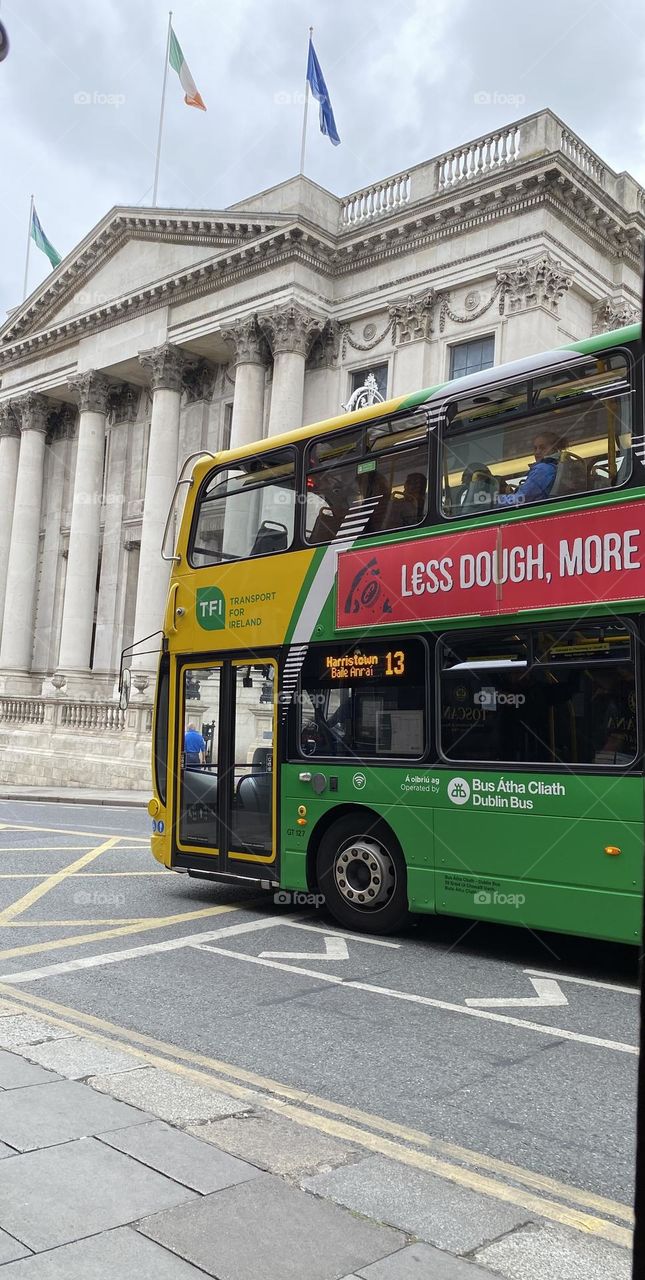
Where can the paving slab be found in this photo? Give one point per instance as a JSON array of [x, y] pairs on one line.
[[439, 1212], [60, 1194], [10, 1248], [76, 1057], [113, 1255], [544, 1251], [423, 1262], [278, 1145], [42, 1116], [16, 1073], [23, 1029], [286, 1234], [169, 1096], [196, 1164]]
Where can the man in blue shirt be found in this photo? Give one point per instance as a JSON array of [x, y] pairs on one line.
[[540, 479], [194, 747]]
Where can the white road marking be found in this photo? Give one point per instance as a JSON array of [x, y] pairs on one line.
[[338, 933], [584, 982], [559, 1033], [133, 953], [548, 993], [335, 949]]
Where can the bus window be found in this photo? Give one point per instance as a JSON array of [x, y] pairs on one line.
[[379, 472], [365, 701], [247, 509], [565, 433], [556, 696]]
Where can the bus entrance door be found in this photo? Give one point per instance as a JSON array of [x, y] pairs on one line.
[[226, 797]]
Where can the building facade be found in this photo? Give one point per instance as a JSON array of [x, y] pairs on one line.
[[169, 332]]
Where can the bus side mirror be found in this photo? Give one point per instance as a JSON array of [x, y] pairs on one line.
[[124, 688]]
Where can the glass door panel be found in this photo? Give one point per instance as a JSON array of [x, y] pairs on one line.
[[199, 767], [252, 807]]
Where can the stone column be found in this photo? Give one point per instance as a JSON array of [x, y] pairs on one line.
[[290, 332], [62, 428], [123, 404], [82, 563], [9, 453], [165, 365], [22, 568], [249, 357]]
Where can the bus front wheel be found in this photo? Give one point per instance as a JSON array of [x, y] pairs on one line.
[[361, 872]]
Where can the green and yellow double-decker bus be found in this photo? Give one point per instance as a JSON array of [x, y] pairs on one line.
[[406, 645]]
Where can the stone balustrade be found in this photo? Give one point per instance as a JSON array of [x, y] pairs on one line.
[[382, 197], [492, 153], [74, 715]]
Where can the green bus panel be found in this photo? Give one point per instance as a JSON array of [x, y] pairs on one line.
[[470, 850]]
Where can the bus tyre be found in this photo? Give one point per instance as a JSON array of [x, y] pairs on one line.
[[361, 873]]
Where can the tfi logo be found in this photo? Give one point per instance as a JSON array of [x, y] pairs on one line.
[[210, 607]]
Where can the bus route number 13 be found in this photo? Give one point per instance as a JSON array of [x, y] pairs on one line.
[[395, 663]]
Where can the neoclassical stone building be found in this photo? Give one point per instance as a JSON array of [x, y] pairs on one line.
[[166, 332]]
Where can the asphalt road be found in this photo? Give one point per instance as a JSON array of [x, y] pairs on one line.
[[384, 1032]]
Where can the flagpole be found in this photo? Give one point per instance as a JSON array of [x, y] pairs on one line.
[[31, 215], [304, 114], [163, 100]]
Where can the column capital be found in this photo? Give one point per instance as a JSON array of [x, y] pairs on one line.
[[91, 390], [247, 340], [9, 419], [165, 364], [34, 412], [62, 422], [290, 328], [123, 402], [200, 380]]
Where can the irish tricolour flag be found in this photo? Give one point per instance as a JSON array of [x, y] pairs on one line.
[[178, 62]]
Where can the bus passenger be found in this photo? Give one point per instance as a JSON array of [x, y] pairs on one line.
[[541, 474], [332, 490], [194, 747], [414, 497]]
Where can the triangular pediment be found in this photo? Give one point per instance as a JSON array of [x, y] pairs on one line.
[[131, 250]]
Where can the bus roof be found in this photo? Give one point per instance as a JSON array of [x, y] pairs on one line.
[[399, 404]]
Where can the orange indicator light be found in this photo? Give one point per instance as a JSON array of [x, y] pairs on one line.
[[612, 850]]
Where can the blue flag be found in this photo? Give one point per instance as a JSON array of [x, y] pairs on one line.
[[320, 92]]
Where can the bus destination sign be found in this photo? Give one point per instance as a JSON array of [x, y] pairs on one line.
[[588, 557]]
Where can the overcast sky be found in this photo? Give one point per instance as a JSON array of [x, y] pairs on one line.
[[80, 90]]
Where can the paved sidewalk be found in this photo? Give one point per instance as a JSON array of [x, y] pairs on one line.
[[111, 1167], [77, 795]]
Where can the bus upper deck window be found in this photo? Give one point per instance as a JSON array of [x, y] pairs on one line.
[[247, 509]]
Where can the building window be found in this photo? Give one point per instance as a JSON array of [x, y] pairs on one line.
[[472, 357], [358, 378]]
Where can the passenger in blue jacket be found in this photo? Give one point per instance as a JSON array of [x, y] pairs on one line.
[[540, 479]]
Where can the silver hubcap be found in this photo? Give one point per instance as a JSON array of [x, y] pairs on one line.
[[365, 874]]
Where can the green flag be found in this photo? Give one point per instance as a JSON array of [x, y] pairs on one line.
[[38, 236]]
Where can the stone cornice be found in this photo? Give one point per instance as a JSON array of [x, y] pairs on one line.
[[125, 225], [552, 181]]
